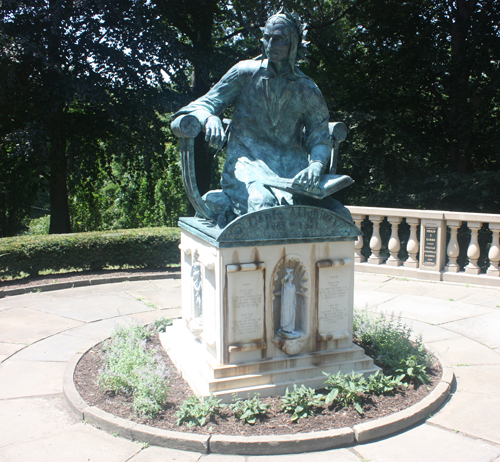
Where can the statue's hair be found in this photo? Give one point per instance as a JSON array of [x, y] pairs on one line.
[[298, 45]]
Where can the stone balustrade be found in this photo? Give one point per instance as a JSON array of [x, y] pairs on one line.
[[428, 244]]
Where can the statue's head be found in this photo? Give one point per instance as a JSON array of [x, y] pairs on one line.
[[283, 38]]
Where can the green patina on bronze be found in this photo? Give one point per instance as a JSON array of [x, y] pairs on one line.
[[280, 130], [273, 226]]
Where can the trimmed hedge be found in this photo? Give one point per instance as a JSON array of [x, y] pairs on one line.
[[146, 247]]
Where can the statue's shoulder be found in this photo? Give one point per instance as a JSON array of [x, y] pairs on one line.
[[248, 66], [308, 83], [304, 79]]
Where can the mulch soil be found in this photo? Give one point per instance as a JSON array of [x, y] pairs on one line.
[[274, 423]]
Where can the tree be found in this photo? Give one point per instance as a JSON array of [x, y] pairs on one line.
[[418, 81], [215, 35], [76, 71]]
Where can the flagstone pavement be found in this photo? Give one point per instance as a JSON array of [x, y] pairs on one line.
[[41, 332]]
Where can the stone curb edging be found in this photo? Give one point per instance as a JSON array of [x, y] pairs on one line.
[[87, 282], [256, 445]]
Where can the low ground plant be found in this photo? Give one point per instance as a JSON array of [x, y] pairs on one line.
[[381, 384], [130, 367], [351, 389], [413, 369], [35, 254], [197, 410], [301, 401], [249, 410], [347, 390], [161, 324]]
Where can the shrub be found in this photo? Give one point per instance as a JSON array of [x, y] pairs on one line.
[[147, 247], [349, 390], [388, 338], [381, 384], [39, 226], [130, 367]]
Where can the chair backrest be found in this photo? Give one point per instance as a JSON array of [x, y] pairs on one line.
[[338, 132]]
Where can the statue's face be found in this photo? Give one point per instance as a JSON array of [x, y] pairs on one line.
[[276, 42]]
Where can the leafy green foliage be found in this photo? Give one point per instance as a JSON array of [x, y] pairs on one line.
[[149, 247], [39, 226], [148, 192], [130, 367], [196, 410], [18, 188], [381, 384], [162, 323], [413, 369], [301, 401], [351, 389], [81, 86], [388, 338], [346, 389], [249, 410], [422, 112]]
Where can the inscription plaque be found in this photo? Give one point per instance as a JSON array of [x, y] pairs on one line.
[[245, 305], [430, 246], [333, 299]]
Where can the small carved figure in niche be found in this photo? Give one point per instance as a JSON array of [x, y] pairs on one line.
[[197, 285], [288, 306]]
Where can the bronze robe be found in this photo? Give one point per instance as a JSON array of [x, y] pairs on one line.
[[277, 120]]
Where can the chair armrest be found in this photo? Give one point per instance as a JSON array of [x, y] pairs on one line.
[[338, 131], [186, 126]]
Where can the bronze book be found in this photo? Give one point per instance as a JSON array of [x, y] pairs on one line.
[[328, 184]]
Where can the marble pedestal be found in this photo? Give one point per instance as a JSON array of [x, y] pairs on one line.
[[230, 338]]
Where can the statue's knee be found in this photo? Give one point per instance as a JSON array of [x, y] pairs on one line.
[[259, 198]]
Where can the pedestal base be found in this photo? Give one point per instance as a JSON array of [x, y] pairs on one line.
[[268, 376], [281, 270]]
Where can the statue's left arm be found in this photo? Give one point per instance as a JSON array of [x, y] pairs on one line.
[[317, 140]]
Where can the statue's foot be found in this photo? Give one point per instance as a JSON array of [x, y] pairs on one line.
[[288, 335]]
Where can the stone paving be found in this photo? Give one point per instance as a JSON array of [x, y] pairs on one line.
[[40, 332]]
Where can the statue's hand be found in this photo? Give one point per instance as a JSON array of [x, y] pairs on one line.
[[309, 177], [214, 133]]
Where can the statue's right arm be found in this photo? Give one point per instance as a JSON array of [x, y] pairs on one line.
[[208, 108]]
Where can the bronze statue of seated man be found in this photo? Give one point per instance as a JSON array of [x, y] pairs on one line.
[[279, 127]]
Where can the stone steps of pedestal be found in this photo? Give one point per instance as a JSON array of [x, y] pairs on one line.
[[266, 376], [298, 374], [266, 366], [278, 388]]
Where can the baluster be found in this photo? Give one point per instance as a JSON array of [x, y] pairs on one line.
[[453, 250], [358, 245], [375, 241], [394, 242], [473, 251], [494, 253], [413, 245]]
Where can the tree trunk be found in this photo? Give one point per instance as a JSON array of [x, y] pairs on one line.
[[60, 222], [461, 113], [203, 54]]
